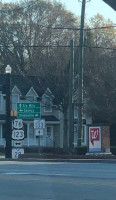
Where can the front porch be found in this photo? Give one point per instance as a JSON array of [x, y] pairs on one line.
[[44, 142], [32, 142]]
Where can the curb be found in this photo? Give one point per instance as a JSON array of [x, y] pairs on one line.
[[110, 161]]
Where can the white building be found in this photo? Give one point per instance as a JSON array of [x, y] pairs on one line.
[[53, 132]]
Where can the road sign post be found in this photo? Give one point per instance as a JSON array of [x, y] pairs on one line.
[[28, 110], [39, 126], [17, 138]]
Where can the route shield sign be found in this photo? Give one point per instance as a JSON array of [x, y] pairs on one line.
[[17, 151], [39, 123], [17, 123], [28, 110], [17, 134]]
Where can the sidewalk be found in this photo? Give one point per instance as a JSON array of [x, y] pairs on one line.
[[107, 161], [50, 156], [63, 158], [109, 158]]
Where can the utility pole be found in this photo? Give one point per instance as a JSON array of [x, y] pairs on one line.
[[8, 119], [80, 75], [8, 147], [71, 86]]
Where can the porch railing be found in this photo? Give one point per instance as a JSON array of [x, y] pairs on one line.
[[30, 142]]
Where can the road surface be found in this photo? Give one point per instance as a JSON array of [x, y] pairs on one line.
[[57, 181]]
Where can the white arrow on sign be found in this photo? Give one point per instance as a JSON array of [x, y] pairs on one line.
[[17, 134], [39, 132], [17, 143]]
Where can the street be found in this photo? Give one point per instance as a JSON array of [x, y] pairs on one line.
[[57, 181]]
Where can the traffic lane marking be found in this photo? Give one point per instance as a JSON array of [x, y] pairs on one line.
[[28, 163]]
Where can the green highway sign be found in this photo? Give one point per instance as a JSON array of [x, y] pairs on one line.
[[28, 115], [28, 105], [28, 110]]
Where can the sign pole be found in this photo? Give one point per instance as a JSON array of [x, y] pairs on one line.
[[39, 145], [8, 119]]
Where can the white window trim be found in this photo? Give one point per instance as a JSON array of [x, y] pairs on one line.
[[1, 107], [51, 129], [32, 93], [34, 98], [85, 136], [1, 131], [50, 110], [75, 113], [17, 102], [47, 137]]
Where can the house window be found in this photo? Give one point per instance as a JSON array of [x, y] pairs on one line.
[[75, 112], [31, 131], [30, 98], [1, 102], [49, 136], [47, 104], [0, 131], [15, 100], [83, 136], [49, 131], [75, 135]]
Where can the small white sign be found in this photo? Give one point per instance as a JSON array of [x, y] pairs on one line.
[[17, 134], [16, 152], [17, 143], [18, 123], [39, 123], [39, 132]]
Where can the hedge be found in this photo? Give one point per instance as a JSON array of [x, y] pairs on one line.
[[81, 150], [113, 150]]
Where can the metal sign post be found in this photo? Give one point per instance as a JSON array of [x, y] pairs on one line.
[[17, 138], [39, 126], [39, 144]]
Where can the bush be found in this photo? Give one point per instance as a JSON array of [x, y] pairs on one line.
[[30, 149], [50, 150], [81, 150], [2, 150], [113, 150]]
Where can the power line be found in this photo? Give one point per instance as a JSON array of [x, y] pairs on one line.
[[86, 29], [59, 27], [100, 47], [57, 46]]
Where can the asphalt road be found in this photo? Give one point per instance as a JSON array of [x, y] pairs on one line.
[[57, 181]]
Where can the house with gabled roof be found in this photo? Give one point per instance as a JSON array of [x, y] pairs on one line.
[[25, 91]]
